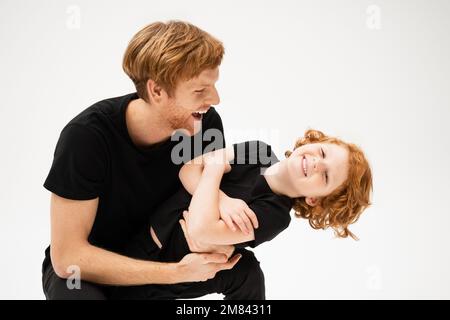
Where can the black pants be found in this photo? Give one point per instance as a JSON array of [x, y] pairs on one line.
[[244, 281], [56, 288]]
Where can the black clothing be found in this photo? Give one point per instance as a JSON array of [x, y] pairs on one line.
[[95, 157], [245, 181]]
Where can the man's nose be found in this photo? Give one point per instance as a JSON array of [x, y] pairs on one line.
[[213, 98]]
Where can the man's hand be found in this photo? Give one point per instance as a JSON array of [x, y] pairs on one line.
[[235, 212], [197, 246], [204, 266]]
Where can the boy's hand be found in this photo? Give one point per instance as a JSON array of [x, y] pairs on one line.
[[235, 212]]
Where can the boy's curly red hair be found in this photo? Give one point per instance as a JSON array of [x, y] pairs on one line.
[[345, 204]]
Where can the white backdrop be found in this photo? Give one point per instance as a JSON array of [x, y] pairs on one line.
[[376, 73]]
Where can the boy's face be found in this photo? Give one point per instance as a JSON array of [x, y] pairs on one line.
[[317, 169], [191, 99]]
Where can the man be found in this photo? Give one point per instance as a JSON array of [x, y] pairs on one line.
[[112, 166]]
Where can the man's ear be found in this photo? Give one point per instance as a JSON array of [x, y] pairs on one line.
[[311, 201], [155, 92]]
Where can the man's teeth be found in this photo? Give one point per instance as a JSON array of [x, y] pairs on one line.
[[199, 114]]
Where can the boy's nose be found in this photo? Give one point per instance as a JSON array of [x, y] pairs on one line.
[[319, 166]]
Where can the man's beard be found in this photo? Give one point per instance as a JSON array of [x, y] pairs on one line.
[[181, 118]]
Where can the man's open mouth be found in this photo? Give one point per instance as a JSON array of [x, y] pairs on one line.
[[198, 115]]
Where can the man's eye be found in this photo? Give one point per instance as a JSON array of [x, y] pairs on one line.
[[323, 153], [199, 91]]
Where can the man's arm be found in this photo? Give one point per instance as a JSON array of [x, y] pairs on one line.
[[71, 223]]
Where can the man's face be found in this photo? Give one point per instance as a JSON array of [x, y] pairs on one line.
[[191, 99]]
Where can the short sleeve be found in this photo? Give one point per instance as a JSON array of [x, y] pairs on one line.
[[254, 152], [79, 165], [272, 212], [273, 217]]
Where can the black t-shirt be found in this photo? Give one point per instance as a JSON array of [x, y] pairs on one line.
[[245, 181], [95, 157]]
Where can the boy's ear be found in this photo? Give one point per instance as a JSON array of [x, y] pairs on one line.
[[311, 201]]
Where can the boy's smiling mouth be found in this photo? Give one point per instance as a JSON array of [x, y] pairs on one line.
[[305, 166]]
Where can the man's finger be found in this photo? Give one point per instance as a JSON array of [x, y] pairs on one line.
[[183, 225], [215, 257], [252, 216], [232, 262]]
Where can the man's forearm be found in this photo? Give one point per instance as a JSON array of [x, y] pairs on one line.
[[105, 267]]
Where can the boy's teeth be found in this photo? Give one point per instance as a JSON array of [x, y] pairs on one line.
[[304, 165]]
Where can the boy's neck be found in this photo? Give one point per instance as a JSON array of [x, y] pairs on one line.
[[278, 180]]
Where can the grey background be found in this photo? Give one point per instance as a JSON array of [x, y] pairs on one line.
[[289, 65]]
